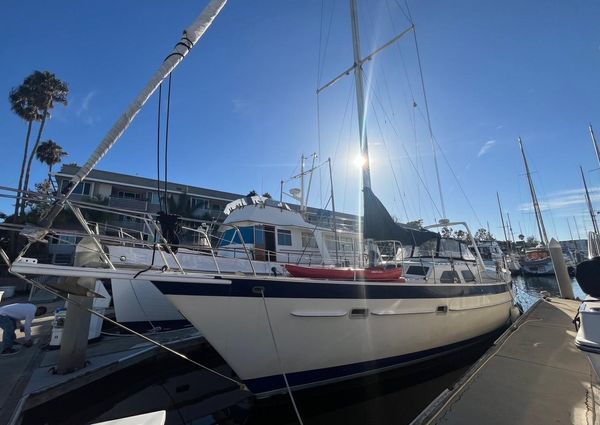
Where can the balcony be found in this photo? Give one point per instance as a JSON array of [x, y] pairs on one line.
[[127, 203]]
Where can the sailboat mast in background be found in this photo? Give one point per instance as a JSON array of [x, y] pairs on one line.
[[536, 206]]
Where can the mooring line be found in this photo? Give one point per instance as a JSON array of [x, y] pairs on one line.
[[287, 385]]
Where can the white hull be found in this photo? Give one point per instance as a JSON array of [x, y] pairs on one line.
[[318, 337], [139, 305], [539, 268]]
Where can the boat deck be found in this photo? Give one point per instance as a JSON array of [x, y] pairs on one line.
[[533, 374]]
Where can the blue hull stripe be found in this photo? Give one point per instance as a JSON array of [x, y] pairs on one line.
[[273, 383], [302, 289]]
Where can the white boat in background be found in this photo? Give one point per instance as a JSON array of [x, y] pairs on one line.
[[537, 262], [587, 320], [258, 237]]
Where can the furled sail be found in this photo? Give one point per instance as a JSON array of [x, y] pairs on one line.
[[379, 224]]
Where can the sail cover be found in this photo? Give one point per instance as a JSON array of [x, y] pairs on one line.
[[379, 224]]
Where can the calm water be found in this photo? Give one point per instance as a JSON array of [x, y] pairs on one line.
[[196, 397]]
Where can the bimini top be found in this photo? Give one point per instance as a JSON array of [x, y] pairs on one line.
[[253, 200], [261, 210]]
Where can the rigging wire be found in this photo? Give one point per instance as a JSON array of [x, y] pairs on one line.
[[158, 119], [389, 157], [433, 142], [167, 140], [320, 62], [376, 95], [427, 118]]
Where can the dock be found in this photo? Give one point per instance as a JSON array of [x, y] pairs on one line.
[[533, 374], [28, 378]]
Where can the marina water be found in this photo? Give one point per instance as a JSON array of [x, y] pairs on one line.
[[197, 397]]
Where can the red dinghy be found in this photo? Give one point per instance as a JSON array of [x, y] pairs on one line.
[[371, 274]]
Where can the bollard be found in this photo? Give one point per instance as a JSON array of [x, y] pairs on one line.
[[560, 270], [77, 323]]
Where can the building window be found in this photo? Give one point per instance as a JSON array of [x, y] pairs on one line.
[[128, 195], [198, 203], [284, 237], [81, 189], [153, 198], [308, 240]]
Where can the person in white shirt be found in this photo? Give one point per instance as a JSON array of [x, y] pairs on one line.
[[9, 316]]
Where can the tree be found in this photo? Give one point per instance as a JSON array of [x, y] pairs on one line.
[[267, 195], [46, 90], [22, 103], [251, 193], [41, 198], [531, 241], [183, 206], [521, 237], [50, 153], [446, 232], [483, 235], [416, 224]]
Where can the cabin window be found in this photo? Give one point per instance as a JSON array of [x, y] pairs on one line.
[[417, 270], [232, 236], [467, 254], [426, 249], [308, 240], [449, 276], [259, 235], [449, 248], [284, 237], [468, 275]]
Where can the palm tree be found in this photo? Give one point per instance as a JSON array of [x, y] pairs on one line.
[[46, 90], [50, 153], [183, 206], [22, 103]]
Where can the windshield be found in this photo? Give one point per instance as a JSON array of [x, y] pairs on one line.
[[448, 248]]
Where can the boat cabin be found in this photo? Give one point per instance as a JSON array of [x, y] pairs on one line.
[[271, 231]]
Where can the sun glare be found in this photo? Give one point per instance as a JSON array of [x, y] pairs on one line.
[[360, 161]]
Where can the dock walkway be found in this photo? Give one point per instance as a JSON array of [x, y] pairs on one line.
[[533, 374]]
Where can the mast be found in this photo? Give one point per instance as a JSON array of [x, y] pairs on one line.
[[190, 37], [335, 233], [302, 204], [594, 143], [360, 97], [502, 221], [512, 235], [536, 206], [589, 202], [576, 228]]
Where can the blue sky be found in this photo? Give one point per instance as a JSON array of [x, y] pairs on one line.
[[244, 106]]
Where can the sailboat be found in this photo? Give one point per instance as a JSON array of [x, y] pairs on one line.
[[282, 333], [263, 325], [537, 260]]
